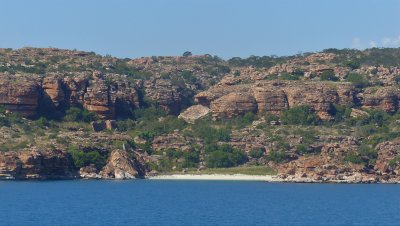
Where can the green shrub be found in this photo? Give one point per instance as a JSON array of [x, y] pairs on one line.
[[287, 76], [75, 114], [224, 156], [256, 153], [191, 159], [353, 158], [277, 156], [353, 64], [299, 115], [203, 129], [85, 158], [364, 155], [302, 149], [340, 112], [328, 75], [358, 80], [125, 125], [394, 162]]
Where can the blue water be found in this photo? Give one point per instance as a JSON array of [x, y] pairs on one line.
[[144, 202]]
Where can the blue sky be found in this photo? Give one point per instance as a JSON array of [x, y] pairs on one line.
[[225, 28]]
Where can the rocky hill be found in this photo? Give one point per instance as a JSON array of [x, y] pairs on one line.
[[330, 116]]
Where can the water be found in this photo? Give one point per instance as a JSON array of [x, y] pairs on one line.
[[145, 202]]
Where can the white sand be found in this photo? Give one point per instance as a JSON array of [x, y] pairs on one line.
[[238, 177]]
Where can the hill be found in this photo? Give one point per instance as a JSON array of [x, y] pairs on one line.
[[330, 116]]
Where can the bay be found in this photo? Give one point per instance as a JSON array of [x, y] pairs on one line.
[[147, 202]]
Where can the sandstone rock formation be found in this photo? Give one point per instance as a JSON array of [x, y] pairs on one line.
[[233, 104], [384, 98], [19, 95], [99, 99], [34, 164], [164, 93], [123, 165], [193, 113], [276, 96]]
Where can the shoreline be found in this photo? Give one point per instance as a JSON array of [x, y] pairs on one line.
[[263, 178], [217, 177]]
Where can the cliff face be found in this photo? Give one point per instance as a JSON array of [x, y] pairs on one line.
[[19, 95], [102, 95], [275, 96], [34, 164]]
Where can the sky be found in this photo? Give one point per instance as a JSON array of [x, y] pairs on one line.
[[226, 28]]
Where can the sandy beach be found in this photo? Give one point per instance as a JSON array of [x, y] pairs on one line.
[[236, 177]]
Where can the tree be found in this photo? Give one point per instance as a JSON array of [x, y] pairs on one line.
[[187, 54]]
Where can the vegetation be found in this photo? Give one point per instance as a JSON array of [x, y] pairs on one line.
[[222, 156], [75, 114], [328, 75], [84, 158], [358, 80], [299, 115], [246, 170], [277, 156]]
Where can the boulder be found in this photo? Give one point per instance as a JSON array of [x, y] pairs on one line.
[[193, 113]]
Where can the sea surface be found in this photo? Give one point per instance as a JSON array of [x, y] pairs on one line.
[[149, 202]]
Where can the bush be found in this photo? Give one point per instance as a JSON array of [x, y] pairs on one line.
[[75, 114], [328, 75], [302, 149], [191, 159], [353, 158], [353, 64], [364, 155], [224, 156], [256, 153], [299, 115], [188, 159], [203, 129], [277, 156], [358, 80], [287, 76], [340, 112], [82, 158]]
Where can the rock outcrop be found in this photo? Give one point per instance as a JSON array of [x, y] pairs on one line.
[[100, 99], [123, 165], [384, 98], [233, 104], [276, 96], [193, 113], [107, 95], [34, 164], [164, 93], [19, 94]]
